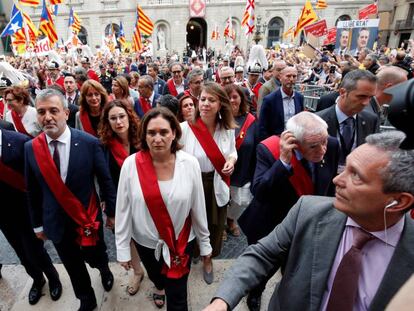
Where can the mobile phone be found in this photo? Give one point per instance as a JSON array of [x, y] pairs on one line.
[[332, 69]]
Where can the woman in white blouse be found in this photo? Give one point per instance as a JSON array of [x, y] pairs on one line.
[[21, 114], [160, 199], [213, 127]]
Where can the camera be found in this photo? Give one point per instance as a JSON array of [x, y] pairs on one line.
[[332, 69]]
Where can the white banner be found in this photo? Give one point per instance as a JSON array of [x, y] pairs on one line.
[[358, 23], [42, 47]]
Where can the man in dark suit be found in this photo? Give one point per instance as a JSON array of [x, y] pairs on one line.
[[303, 154], [6, 125], [159, 83], [15, 222], [147, 97], [347, 120], [211, 71], [272, 85], [62, 198], [177, 84], [322, 237], [71, 89], [278, 107]]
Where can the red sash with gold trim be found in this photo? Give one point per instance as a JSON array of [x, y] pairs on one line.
[[84, 217], [243, 131], [162, 220], [117, 151], [210, 147], [145, 105], [300, 180], [86, 123], [12, 177], [19, 124], [171, 87]]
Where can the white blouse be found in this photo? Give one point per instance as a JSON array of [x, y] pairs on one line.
[[185, 196], [226, 142], [29, 121]]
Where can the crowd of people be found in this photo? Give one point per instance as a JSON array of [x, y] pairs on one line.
[[173, 156]]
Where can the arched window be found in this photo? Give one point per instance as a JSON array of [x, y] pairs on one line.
[[112, 28], [275, 31], [83, 35], [343, 18]]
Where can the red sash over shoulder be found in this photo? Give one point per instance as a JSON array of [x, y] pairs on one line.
[[18, 123], [2, 109], [117, 151], [300, 180], [11, 177], [171, 87], [210, 147], [84, 217], [242, 134], [86, 123], [145, 105], [162, 220]]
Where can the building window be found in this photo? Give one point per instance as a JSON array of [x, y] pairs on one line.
[[83, 35], [275, 31], [343, 18], [111, 29]]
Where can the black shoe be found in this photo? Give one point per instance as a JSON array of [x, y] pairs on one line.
[[107, 279], [253, 302], [55, 289], [35, 292], [88, 305]]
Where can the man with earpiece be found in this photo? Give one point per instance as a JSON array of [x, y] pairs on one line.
[[351, 252]]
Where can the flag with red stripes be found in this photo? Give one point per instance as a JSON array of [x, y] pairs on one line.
[[307, 17], [29, 2], [248, 17], [47, 25], [145, 25], [321, 4], [54, 2]]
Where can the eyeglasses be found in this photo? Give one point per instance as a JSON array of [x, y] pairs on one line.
[[176, 72], [226, 78]]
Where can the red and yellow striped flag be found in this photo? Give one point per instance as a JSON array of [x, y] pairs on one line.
[[29, 2], [47, 25], [76, 26], [31, 28], [136, 41], [307, 17], [145, 25], [321, 4], [54, 2]]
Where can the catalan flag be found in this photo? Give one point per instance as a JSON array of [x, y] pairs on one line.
[[74, 21], [215, 35], [121, 37], [136, 38], [16, 23], [229, 31], [307, 17], [29, 2], [54, 2], [289, 32], [321, 4], [47, 25], [248, 17], [145, 25], [32, 30]]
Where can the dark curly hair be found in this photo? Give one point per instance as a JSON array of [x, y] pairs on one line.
[[105, 131], [19, 93]]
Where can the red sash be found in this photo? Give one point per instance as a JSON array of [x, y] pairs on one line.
[[162, 220], [171, 87], [85, 218], [145, 105], [86, 123], [210, 147], [11, 177], [2, 108], [242, 134], [117, 151], [18, 123], [300, 180]]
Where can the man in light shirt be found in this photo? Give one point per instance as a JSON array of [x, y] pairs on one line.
[[374, 194]]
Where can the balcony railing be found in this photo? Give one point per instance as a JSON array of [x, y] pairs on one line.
[[404, 24], [175, 2]]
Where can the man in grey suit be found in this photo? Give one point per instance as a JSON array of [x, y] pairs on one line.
[[272, 85], [375, 191], [347, 120]]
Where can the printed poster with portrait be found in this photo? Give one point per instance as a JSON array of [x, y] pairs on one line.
[[354, 35]]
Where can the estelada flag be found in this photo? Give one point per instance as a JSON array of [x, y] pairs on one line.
[[54, 2], [307, 16]]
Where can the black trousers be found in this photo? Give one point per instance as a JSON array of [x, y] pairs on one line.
[[30, 250], [74, 256], [175, 289]]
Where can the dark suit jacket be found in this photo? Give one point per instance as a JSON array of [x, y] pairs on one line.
[[367, 123], [159, 86], [305, 245], [138, 108], [326, 101], [6, 125], [86, 161], [12, 155], [73, 109], [274, 195], [272, 118]]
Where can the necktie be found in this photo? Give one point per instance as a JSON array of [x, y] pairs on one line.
[[345, 285], [56, 156]]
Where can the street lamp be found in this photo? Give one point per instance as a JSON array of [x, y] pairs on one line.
[[258, 35]]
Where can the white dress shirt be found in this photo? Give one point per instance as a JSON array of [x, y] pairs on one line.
[[64, 151], [29, 121], [288, 105], [183, 195], [226, 142]]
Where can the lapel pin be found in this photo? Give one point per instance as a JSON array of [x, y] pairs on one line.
[[8, 145], [76, 144], [363, 122]]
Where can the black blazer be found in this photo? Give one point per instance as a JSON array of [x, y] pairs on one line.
[[326, 101], [274, 195], [367, 123], [6, 125]]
